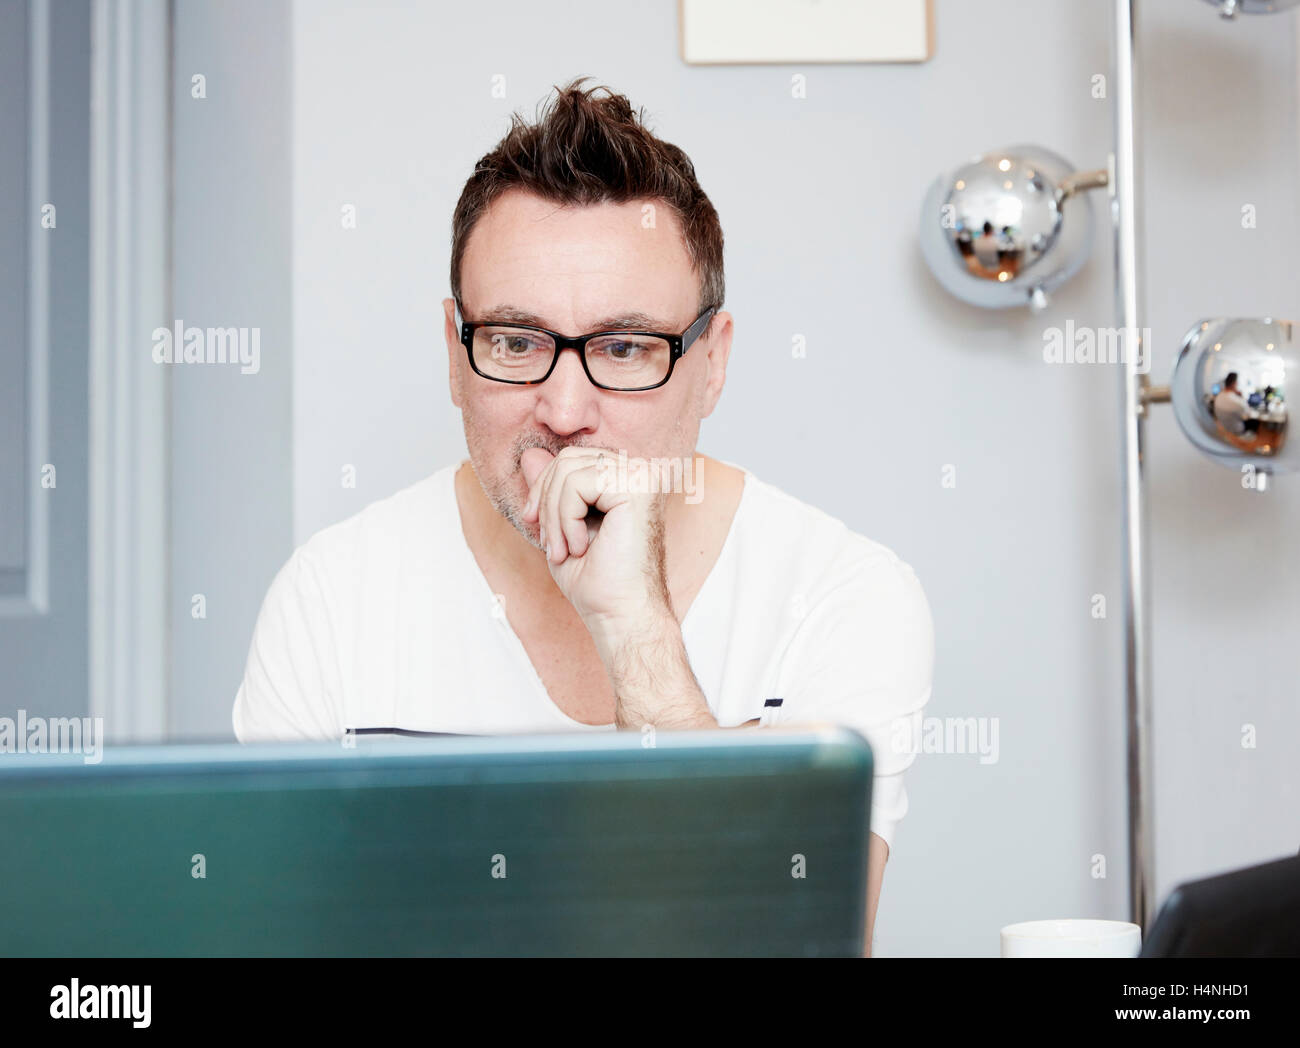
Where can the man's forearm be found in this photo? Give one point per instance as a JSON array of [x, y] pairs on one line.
[[653, 682], [877, 856]]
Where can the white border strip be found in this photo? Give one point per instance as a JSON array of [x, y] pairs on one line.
[[129, 425]]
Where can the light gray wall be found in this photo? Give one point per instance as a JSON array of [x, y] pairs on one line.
[[231, 464], [1221, 113], [819, 200]]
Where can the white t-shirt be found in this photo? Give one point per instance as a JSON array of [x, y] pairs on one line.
[[1231, 409], [386, 621]]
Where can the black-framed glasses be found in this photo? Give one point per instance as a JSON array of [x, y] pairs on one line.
[[622, 361]]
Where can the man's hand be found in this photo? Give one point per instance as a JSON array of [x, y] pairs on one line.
[[606, 546], [612, 570]]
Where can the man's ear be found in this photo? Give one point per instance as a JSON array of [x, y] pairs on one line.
[[718, 347], [452, 334]]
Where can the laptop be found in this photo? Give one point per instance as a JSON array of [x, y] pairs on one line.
[[1252, 912], [709, 843]]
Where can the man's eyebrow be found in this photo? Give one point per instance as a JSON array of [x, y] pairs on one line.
[[634, 321]]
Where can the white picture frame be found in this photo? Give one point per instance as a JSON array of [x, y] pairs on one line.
[[732, 32]]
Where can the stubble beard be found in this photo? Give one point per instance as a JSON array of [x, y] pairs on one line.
[[503, 491]]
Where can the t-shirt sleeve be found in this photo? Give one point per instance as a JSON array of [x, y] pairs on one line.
[[291, 688], [863, 657]]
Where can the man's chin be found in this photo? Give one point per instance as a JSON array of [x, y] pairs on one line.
[[514, 513], [532, 532]]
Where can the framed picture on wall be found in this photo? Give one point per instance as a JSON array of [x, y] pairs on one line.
[[727, 32]]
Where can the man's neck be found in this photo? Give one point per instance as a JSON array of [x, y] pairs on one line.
[[492, 538]]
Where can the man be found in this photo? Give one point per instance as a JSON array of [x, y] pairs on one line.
[[539, 586], [1230, 407]]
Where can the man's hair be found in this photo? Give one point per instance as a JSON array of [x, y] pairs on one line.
[[584, 150]]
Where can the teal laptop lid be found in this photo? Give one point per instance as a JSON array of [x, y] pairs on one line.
[[720, 843]]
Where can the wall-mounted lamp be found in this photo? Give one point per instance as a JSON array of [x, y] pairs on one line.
[[1231, 8], [1229, 393], [1011, 225], [1008, 227]]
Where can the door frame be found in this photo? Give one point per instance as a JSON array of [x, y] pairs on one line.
[[130, 424]]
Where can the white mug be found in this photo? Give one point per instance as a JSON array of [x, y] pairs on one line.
[[1071, 938]]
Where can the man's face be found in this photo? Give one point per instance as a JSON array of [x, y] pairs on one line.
[[573, 268]]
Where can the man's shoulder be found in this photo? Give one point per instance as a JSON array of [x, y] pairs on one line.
[[388, 524], [787, 529]]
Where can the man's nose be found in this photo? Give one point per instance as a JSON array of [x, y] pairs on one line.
[[567, 400]]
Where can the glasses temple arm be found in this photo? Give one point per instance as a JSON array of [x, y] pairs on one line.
[[697, 329]]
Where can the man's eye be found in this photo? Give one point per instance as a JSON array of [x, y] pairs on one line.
[[621, 350], [515, 344]]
